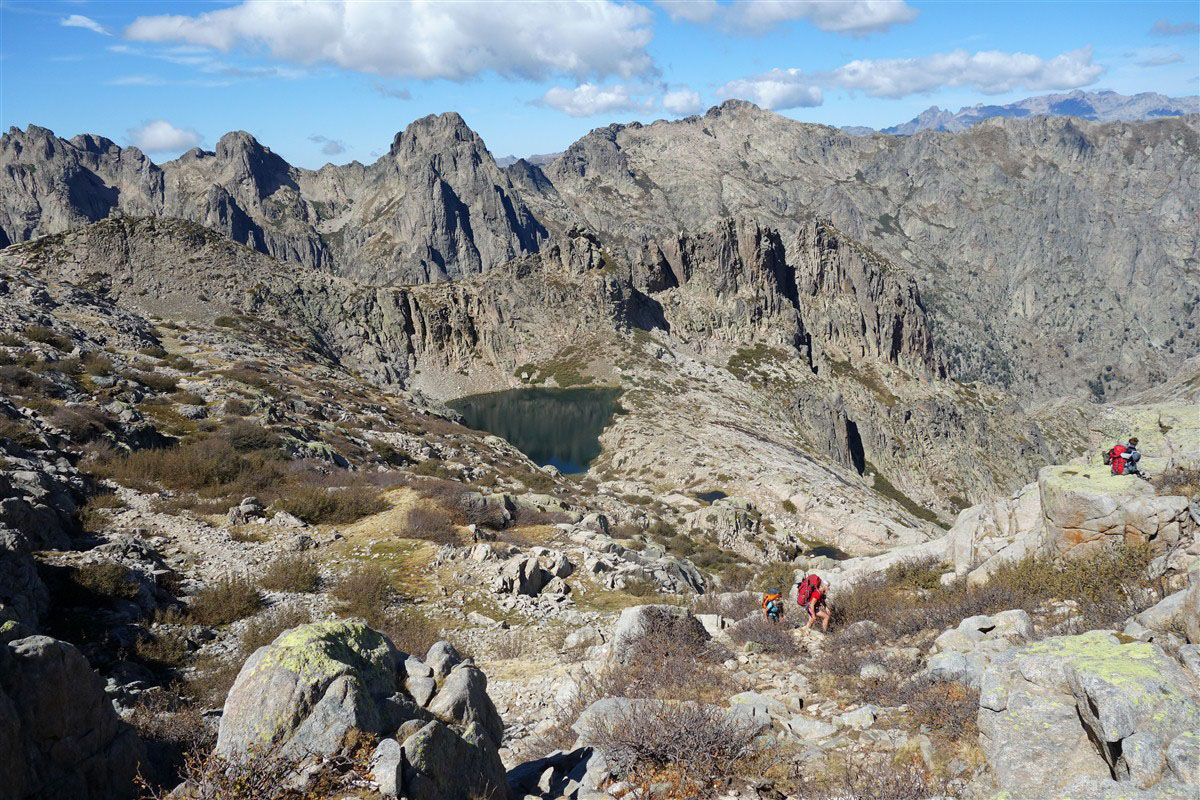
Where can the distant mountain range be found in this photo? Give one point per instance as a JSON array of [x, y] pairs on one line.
[[1103, 106], [537, 159]]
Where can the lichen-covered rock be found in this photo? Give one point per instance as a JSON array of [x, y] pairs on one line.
[[1092, 707], [59, 736], [307, 690], [1086, 506]]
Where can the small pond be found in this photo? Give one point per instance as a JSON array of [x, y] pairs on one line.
[[712, 496], [560, 427]]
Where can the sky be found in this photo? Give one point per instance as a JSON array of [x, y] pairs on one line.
[[334, 80]]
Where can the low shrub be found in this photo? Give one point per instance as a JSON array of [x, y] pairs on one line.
[[245, 436], [225, 601], [640, 587], [1179, 481], [43, 335], [83, 423], [91, 514], [265, 628], [917, 574], [410, 631], [107, 580], [434, 468], [691, 747], [188, 398], [537, 481], [775, 637], [96, 364], [154, 351], [776, 577], [163, 384], [291, 574], [163, 650], [431, 524], [326, 506], [365, 591]]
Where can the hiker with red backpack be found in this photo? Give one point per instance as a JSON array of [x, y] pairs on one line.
[[810, 595], [1124, 458]]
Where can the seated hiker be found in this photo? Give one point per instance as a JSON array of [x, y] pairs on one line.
[[772, 605], [1132, 457], [1124, 458]]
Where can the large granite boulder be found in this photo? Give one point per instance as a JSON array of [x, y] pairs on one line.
[[664, 624], [1094, 709], [963, 653], [59, 736], [307, 690], [1087, 506], [445, 765], [995, 532]]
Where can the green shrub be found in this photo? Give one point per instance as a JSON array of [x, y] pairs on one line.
[[188, 398], [291, 574], [164, 649], [788, 506], [365, 591], [538, 481], [318, 505], [107, 580], [434, 468], [431, 524], [43, 335], [164, 384], [96, 364], [154, 351], [11, 340], [916, 574], [225, 601]]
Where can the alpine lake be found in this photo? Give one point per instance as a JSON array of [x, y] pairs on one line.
[[557, 427]]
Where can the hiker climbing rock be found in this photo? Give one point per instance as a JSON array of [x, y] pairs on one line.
[[810, 595], [772, 605]]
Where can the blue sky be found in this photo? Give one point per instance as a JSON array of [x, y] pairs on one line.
[[334, 80]]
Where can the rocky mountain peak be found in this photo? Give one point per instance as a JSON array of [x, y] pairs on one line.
[[435, 132], [734, 107]]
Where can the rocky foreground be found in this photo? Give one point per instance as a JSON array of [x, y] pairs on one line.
[[232, 569]]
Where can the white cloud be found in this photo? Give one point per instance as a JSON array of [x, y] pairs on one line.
[[991, 72], [160, 136], [853, 17], [683, 102], [330, 147], [588, 99], [80, 21], [1164, 27], [777, 89], [458, 40], [689, 10]]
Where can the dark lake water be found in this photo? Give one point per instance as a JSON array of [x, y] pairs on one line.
[[552, 426]]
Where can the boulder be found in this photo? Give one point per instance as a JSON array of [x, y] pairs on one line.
[[963, 653], [60, 738], [441, 658], [463, 698], [442, 764], [1102, 708], [522, 576], [307, 690], [664, 623], [23, 596], [1085, 507]]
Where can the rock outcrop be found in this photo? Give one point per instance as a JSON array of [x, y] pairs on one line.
[[307, 691], [1089, 715], [60, 738]]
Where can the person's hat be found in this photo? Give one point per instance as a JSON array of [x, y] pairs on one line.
[[1133, 440]]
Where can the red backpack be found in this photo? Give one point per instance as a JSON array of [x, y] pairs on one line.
[[1116, 457], [807, 587]]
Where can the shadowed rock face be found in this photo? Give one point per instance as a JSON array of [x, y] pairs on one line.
[[1035, 243]]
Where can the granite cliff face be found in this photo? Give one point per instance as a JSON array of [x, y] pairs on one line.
[[1034, 243]]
